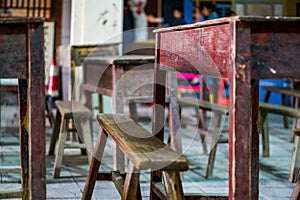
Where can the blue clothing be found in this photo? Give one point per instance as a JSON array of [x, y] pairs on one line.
[[176, 22], [213, 15], [202, 19]]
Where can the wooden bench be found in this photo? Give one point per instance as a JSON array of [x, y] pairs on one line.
[[285, 92], [218, 113], [74, 113], [221, 111], [144, 152]]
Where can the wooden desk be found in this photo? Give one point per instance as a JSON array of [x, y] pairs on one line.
[[71, 57], [22, 57], [244, 50], [125, 79]]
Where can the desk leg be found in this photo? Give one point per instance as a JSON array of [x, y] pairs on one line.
[[243, 116], [174, 119], [23, 106], [36, 114], [118, 107], [37, 140], [243, 142]]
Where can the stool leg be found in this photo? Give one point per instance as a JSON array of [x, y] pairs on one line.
[[55, 133], [80, 133], [133, 110], [60, 149], [131, 184], [173, 185], [94, 166]]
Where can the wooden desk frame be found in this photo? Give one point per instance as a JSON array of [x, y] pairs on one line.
[[26, 62], [244, 50]]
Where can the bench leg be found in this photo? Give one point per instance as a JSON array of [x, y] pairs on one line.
[[295, 120], [295, 164], [285, 119], [173, 185], [60, 148], [296, 191], [201, 125], [131, 184], [55, 133], [214, 142], [94, 166], [265, 133]]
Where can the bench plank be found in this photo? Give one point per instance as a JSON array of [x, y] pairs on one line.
[[278, 109], [286, 91], [204, 105], [144, 150]]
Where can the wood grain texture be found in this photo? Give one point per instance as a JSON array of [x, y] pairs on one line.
[[143, 150]]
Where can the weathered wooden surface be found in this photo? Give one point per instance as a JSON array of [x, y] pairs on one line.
[[143, 150], [243, 49], [25, 60]]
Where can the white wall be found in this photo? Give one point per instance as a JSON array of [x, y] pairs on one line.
[[96, 21]]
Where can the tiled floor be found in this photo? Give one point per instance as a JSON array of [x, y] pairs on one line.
[[274, 171]]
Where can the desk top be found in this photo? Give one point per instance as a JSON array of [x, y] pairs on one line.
[[266, 46], [14, 20], [122, 60], [227, 20]]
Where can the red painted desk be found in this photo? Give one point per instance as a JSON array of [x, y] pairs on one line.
[[244, 50], [22, 57]]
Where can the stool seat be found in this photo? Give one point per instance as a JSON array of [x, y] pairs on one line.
[[69, 109], [67, 113]]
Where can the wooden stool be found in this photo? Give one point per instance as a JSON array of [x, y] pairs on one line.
[[144, 151], [66, 111]]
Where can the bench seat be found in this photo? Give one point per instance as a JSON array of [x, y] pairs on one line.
[[144, 151]]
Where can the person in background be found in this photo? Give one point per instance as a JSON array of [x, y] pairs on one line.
[[205, 11], [197, 14], [176, 20], [213, 11]]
